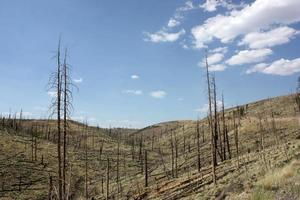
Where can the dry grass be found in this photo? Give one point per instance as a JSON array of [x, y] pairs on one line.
[[276, 178]]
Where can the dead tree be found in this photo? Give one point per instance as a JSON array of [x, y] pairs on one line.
[[274, 129], [107, 179], [225, 133], [56, 106], [86, 164], [172, 154], [146, 169], [118, 162], [152, 140], [176, 156], [141, 153], [35, 149], [50, 188], [184, 141], [236, 139], [216, 123], [198, 147], [32, 144], [210, 123]]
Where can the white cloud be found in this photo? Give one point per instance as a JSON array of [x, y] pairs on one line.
[[210, 5], [249, 56], [214, 58], [79, 80], [187, 6], [277, 36], [173, 22], [159, 94], [134, 92], [282, 67], [135, 76], [204, 109], [261, 14], [52, 93], [220, 50], [163, 36], [217, 68], [180, 99]]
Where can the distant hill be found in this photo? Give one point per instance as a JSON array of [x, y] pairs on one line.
[[268, 141]]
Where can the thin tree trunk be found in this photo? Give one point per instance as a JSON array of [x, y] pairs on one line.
[[210, 124], [107, 179], [146, 169], [65, 125], [198, 147], [60, 192]]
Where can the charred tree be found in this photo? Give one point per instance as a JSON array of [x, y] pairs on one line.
[[210, 122]]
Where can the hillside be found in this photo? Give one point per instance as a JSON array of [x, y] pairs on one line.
[[178, 159]]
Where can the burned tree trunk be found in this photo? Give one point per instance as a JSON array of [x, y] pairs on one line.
[[236, 139], [146, 169], [107, 179], [198, 147], [210, 123]]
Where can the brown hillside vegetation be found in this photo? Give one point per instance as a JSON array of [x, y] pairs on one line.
[[170, 160]]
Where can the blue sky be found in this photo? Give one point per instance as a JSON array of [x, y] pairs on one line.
[[139, 62]]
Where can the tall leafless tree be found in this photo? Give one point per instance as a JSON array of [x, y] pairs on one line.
[[210, 121]]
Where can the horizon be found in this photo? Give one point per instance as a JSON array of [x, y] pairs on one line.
[[139, 63], [17, 114]]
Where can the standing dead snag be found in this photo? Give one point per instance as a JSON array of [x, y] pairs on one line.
[[35, 149], [118, 162], [236, 139], [172, 154], [274, 129], [146, 169], [176, 156], [140, 153], [107, 179], [198, 146], [86, 165], [215, 121], [56, 85], [210, 123], [61, 104], [50, 188], [65, 96]]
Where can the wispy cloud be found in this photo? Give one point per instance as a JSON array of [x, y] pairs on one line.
[[52, 93], [164, 36], [158, 94], [204, 109], [79, 80], [134, 92], [134, 76]]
